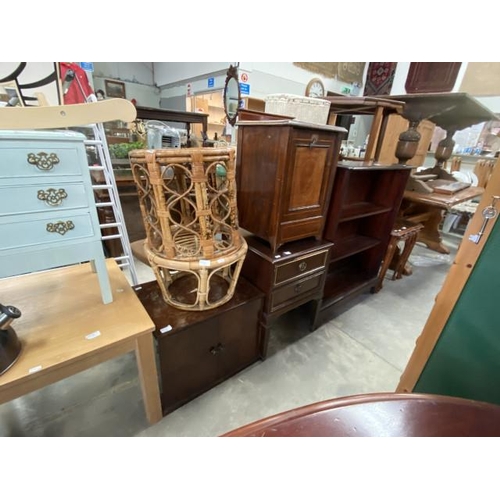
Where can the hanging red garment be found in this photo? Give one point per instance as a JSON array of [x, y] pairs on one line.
[[77, 89]]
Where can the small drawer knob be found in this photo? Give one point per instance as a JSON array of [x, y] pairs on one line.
[[60, 227], [43, 161], [302, 266], [217, 349], [52, 197], [298, 288]]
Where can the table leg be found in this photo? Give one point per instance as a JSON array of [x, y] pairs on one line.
[[264, 330], [430, 235], [148, 376]]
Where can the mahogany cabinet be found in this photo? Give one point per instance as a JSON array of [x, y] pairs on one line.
[[284, 172], [290, 278], [199, 349], [363, 209]]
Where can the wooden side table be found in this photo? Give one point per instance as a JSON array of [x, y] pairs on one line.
[[65, 328], [200, 349], [290, 277]]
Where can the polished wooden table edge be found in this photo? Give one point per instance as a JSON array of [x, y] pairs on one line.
[[442, 200], [260, 426]]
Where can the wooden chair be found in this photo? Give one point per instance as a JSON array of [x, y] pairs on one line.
[[396, 259], [483, 170], [456, 163]]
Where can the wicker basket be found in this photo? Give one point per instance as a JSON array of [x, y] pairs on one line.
[[306, 109]]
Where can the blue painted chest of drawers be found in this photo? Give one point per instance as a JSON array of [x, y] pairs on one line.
[[48, 216]]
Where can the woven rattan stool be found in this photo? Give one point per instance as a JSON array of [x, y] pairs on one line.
[[404, 231], [188, 205]]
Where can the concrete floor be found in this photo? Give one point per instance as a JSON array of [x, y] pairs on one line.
[[363, 350]]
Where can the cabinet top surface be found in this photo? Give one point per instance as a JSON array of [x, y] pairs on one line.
[[171, 320], [291, 123], [63, 317], [44, 135], [370, 165], [286, 252]]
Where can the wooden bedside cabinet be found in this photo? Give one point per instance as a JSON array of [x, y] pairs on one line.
[[290, 277], [200, 349], [284, 173], [48, 216]]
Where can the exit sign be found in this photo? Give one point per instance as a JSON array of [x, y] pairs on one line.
[[346, 90]]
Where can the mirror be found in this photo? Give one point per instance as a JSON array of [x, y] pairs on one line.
[[232, 94]]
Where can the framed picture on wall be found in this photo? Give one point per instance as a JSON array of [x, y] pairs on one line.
[[114, 88]]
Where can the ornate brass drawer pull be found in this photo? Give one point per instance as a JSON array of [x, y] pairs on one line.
[[43, 161], [302, 266], [52, 197], [60, 227]]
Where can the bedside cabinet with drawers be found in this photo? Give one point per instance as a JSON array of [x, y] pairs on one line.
[[290, 277], [48, 216]]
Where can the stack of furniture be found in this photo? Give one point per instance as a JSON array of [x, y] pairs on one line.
[[317, 230]]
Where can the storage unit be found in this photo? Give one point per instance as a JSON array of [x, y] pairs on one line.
[[47, 209], [284, 172], [292, 277], [361, 215], [198, 350]]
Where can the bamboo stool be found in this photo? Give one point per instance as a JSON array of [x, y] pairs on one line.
[[404, 231], [188, 204]]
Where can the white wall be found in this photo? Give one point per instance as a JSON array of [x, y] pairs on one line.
[[168, 73], [133, 72], [137, 76], [263, 77], [145, 95]]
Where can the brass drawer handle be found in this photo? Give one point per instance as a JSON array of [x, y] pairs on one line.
[[217, 349], [60, 227], [52, 197], [302, 266], [298, 288], [43, 161]]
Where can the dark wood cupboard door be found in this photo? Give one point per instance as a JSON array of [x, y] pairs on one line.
[[308, 179], [426, 77]]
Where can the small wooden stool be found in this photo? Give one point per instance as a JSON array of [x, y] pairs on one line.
[[395, 259]]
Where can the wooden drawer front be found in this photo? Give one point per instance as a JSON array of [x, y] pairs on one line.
[[52, 228], [295, 291], [296, 230], [45, 161], [197, 358], [299, 267], [42, 198]]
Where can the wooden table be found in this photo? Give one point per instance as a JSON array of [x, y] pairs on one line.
[[65, 329], [377, 415], [429, 208]]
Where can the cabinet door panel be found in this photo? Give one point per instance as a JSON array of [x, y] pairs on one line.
[[307, 177], [306, 185]]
